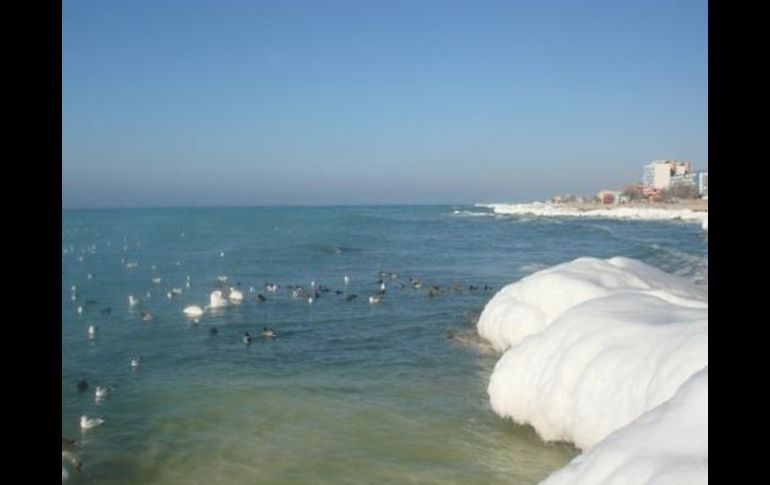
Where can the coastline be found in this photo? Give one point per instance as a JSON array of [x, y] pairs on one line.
[[695, 205], [688, 211]]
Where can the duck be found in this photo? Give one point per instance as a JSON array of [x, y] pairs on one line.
[[267, 333], [246, 338], [374, 299]]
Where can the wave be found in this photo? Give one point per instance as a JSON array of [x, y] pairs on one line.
[[543, 209], [592, 345]]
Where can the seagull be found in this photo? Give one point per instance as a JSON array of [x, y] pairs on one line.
[[146, 316], [91, 331], [88, 423], [101, 393], [80, 310], [135, 362], [271, 287], [156, 280], [267, 333], [346, 279], [132, 301], [374, 299]]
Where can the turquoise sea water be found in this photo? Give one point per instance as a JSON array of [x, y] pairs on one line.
[[349, 392]]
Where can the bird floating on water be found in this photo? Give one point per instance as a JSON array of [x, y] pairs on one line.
[[267, 333], [193, 311], [235, 295], [246, 338], [88, 423]]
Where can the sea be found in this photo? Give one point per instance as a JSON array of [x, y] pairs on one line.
[[348, 392]]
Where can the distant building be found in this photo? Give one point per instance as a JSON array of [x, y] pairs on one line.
[[699, 180], [658, 174], [609, 196]]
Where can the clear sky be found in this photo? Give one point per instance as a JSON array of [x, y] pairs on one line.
[[193, 103]]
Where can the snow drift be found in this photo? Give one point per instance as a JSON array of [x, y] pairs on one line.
[[554, 210], [590, 347]]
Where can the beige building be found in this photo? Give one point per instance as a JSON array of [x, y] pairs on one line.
[[658, 173]]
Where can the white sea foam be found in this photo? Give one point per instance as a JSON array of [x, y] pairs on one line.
[[667, 445], [592, 345], [544, 209]]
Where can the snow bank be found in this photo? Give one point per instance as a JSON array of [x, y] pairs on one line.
[[556, 210], [593, 345], [668, 445], [536, 301]]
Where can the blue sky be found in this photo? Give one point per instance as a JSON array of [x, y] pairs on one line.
[[191, 103]]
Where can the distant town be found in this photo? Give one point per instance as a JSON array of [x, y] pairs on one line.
[[666, 181]]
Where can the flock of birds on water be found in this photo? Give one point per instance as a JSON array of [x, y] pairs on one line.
[[225, 296]]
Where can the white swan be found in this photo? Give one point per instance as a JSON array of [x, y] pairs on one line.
[[216, 300], [193, 311], [88, 423], [235, 295]]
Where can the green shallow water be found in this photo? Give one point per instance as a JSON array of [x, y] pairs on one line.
[[349, 392]]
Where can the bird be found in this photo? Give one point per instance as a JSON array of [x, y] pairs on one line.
[[156, 280], [146, 316], [346, 280], [246, 338], [91, 331], [216, 300], [100, 393], [352, 297], [89, 423], [135, 362], [267, 333], [132, 301], [374, 299], [261, 298], [193, 311], [82, 385], [235, 295]]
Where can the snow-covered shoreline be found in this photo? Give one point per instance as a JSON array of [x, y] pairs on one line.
[[545, 209], [597, 353]]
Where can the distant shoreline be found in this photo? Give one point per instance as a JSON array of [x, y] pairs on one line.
[[696, 205], [692, 211]]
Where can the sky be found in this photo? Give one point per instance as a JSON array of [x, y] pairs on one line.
[[193, 103]]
